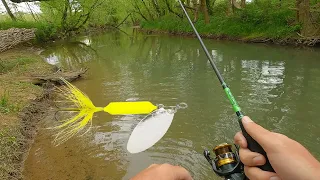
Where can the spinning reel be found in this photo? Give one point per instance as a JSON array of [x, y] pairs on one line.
[[226, 163]]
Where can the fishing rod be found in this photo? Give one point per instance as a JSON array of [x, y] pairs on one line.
[[225, 165]]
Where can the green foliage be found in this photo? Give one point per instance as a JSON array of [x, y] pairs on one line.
[[67, 16], [46, 31], [106, 13], [5, 106], [61, 18], [263, 20], [169, 23]]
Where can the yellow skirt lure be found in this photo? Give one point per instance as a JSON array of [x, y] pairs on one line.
[[84, 110]]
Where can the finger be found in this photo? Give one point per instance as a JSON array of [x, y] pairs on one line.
[[145, 174], [258, 133], [254, 173], [240, 140], [249, 158], [181, 173]]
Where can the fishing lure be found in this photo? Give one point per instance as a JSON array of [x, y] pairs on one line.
[[80, 111], [152, 128]]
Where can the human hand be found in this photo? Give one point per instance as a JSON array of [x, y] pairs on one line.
[[163, 172], [289, 159]]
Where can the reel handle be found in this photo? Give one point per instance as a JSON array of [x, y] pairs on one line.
[[254, 146]]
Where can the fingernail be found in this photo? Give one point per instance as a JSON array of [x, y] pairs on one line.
[[246, 120], [259, 160], [274, 178]]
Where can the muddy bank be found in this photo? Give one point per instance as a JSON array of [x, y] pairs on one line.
[[295, 41], [26, 85], [29, 117]]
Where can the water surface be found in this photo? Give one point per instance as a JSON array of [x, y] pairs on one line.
[[278, 87]]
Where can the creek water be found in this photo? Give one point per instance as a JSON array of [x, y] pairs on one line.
[[278, 87]]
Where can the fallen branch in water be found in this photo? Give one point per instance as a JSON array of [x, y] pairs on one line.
[[55, 78]]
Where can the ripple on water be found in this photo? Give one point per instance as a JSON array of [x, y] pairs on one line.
[[262, 78]]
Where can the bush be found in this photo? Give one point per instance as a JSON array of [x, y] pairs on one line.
[[265, 20], [46, 31]]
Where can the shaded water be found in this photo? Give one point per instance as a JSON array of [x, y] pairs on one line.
[[277, 87]]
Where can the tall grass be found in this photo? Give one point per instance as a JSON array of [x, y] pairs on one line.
[[252, 22]]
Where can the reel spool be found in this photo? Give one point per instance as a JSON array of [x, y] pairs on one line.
[[226, 163], [224, 156]]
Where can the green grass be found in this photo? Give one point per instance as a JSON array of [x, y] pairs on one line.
[[252, 22], [4, 103], [19, 62], [5, 106]]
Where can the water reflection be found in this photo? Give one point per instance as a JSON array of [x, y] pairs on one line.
[[277, 87], [263, 77], [70, 56]]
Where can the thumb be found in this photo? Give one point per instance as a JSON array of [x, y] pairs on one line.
[[257, 132]]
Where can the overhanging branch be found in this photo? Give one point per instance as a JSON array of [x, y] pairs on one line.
[[20, 1]]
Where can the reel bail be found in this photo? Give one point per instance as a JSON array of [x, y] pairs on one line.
[[226, 163]]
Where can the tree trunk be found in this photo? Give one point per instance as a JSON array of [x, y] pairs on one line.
[[205, 11], [229, 8], [8, 10], [243, 3], [297, 12], [235, 4], [196, 10], [209, 7], [308, 28]]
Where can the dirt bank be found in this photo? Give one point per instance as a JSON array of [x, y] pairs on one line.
[[23, 104], [296, 41]]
